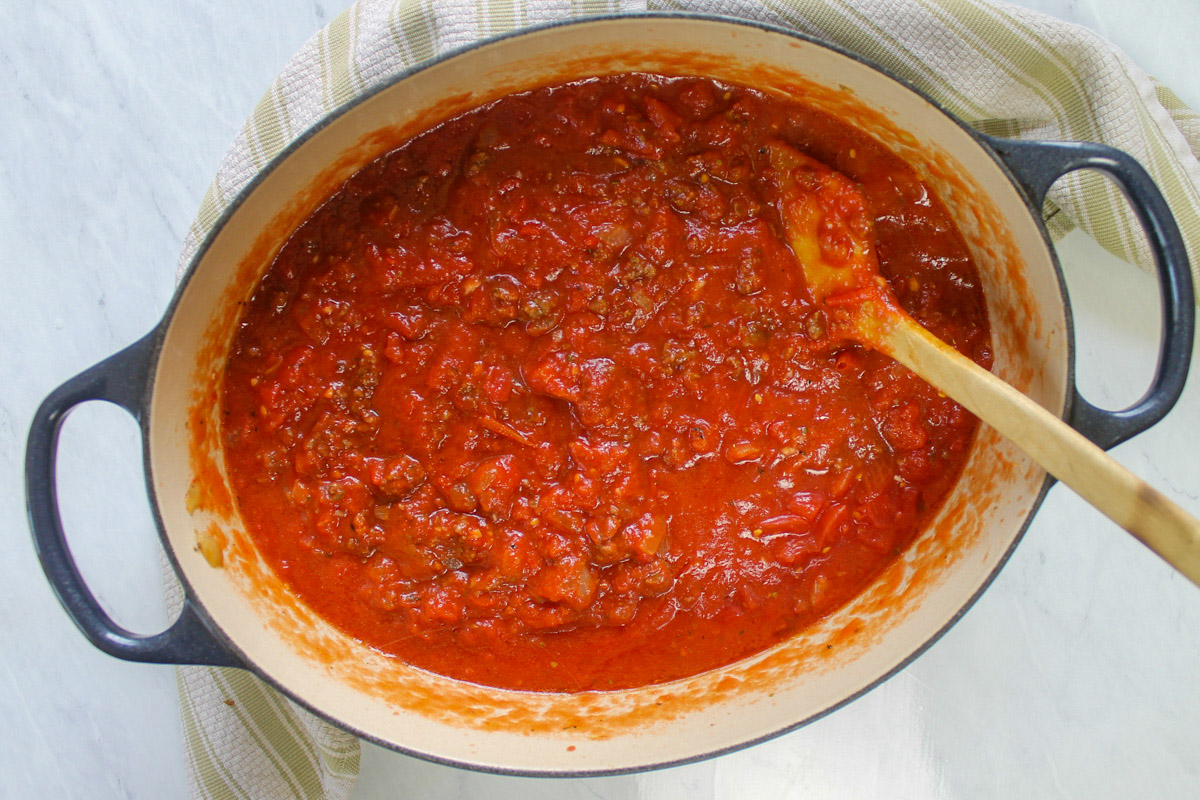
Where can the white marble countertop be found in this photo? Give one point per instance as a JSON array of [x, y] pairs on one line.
[[1077, 674]]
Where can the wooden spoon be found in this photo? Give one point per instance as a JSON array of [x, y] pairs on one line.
[[830, 232]]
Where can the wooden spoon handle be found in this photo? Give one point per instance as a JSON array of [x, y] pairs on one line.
[[1065, 453]]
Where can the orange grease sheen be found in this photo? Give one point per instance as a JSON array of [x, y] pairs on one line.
[[539, 401]]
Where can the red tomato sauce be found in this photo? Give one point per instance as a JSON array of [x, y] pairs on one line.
[[539, 401]]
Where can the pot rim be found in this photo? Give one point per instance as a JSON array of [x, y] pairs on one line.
[[160, 331]]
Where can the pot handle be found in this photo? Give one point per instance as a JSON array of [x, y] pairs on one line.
[[1037, 165], [120, 379]]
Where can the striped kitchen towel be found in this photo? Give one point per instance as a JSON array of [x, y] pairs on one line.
[[1007, 70]]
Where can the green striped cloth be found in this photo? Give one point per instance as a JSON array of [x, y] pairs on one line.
[[1004, 69]]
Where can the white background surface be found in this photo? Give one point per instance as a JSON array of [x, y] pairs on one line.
[[1076, 675]]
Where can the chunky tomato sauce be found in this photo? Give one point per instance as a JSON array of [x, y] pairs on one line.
[[539, 400]]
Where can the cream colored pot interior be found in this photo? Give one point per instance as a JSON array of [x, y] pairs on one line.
[[436, 717]]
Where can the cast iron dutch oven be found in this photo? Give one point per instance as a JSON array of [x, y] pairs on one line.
[[241, 616]]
